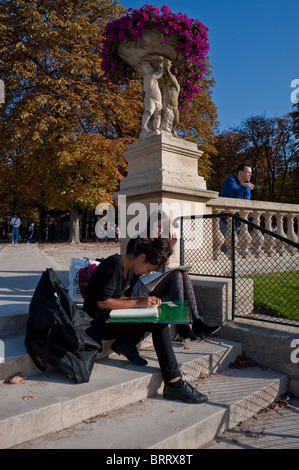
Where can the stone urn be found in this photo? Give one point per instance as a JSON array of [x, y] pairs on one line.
[[132, 52]]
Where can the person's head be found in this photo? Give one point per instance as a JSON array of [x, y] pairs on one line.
[[150, 255], [244, 172], [158, 225]]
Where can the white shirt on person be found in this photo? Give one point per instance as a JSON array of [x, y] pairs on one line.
[[15, 221]]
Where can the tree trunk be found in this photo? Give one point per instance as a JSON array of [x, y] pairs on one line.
[[74, 236]]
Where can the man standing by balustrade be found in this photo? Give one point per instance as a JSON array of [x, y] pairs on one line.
[[238, 186]]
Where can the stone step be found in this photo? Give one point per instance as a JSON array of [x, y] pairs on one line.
[[155, 423], [16, 358], [12, 323], [58, 403], [15, 301]]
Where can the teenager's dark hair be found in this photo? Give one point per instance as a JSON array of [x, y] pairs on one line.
[[157, 251]]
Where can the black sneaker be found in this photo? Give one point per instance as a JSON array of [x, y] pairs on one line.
[[135, 358], [185, 393], [131, 354], [185, 332]]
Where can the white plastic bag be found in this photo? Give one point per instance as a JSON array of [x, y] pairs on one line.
[[76, 264]]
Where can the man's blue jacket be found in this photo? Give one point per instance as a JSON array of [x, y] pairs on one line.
[[233, 188]]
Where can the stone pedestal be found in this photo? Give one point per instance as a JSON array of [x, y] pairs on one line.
[[162, 174]]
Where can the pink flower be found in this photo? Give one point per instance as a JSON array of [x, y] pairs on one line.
[[192, 44]]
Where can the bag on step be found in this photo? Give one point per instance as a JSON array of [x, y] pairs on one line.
[[79, 274], [84, 275], [58, 332]]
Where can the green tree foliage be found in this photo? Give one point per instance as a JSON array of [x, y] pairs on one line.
[[61, 117], [295, 120], [63, 126]]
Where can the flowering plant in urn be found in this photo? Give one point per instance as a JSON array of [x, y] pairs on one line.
[[180, 40]]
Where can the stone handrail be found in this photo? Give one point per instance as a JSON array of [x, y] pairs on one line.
[[258, 208], [287, 221]]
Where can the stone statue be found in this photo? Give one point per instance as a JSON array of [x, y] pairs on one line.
[[151, 70], [170, 94], [161, 90]]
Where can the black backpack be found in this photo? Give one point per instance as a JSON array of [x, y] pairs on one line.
[[58, 332]]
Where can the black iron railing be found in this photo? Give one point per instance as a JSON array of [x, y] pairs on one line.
[[263, 266]]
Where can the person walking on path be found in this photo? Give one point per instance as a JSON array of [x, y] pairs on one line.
[[15, 224]]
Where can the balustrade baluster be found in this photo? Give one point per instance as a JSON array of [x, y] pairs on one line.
[[280, 249], [257, 235], [228, 237], [244, 237], [269, 241], [218, 237], [291, 235]]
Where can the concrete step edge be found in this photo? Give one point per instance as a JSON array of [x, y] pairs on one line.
[[234, 396], [228, 418], [13, 323], [59, 403]]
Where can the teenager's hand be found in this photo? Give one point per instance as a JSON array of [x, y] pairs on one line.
[[146, 302]]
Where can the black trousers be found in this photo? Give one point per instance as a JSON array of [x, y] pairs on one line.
[[130, 334]]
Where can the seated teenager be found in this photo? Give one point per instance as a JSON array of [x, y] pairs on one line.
[[106, 291]]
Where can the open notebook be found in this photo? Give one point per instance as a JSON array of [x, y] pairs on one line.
[[135, 312], [153, 279], [167, 312]]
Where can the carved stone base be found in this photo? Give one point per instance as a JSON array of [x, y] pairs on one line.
[[163, 170], [164, 163]]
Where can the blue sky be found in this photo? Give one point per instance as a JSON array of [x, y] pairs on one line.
[[254, 51]]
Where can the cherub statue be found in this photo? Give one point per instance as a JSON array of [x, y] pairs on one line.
[[170, 94], [151, 70], [161, 90]]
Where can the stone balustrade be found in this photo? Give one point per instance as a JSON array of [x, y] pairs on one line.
[[283, 219]]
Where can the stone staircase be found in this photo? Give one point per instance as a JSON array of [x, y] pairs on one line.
[[125, 401]]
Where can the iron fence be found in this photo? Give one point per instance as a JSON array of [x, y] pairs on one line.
[[262, 265]]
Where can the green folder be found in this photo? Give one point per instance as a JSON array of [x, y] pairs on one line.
[[179, 313]]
